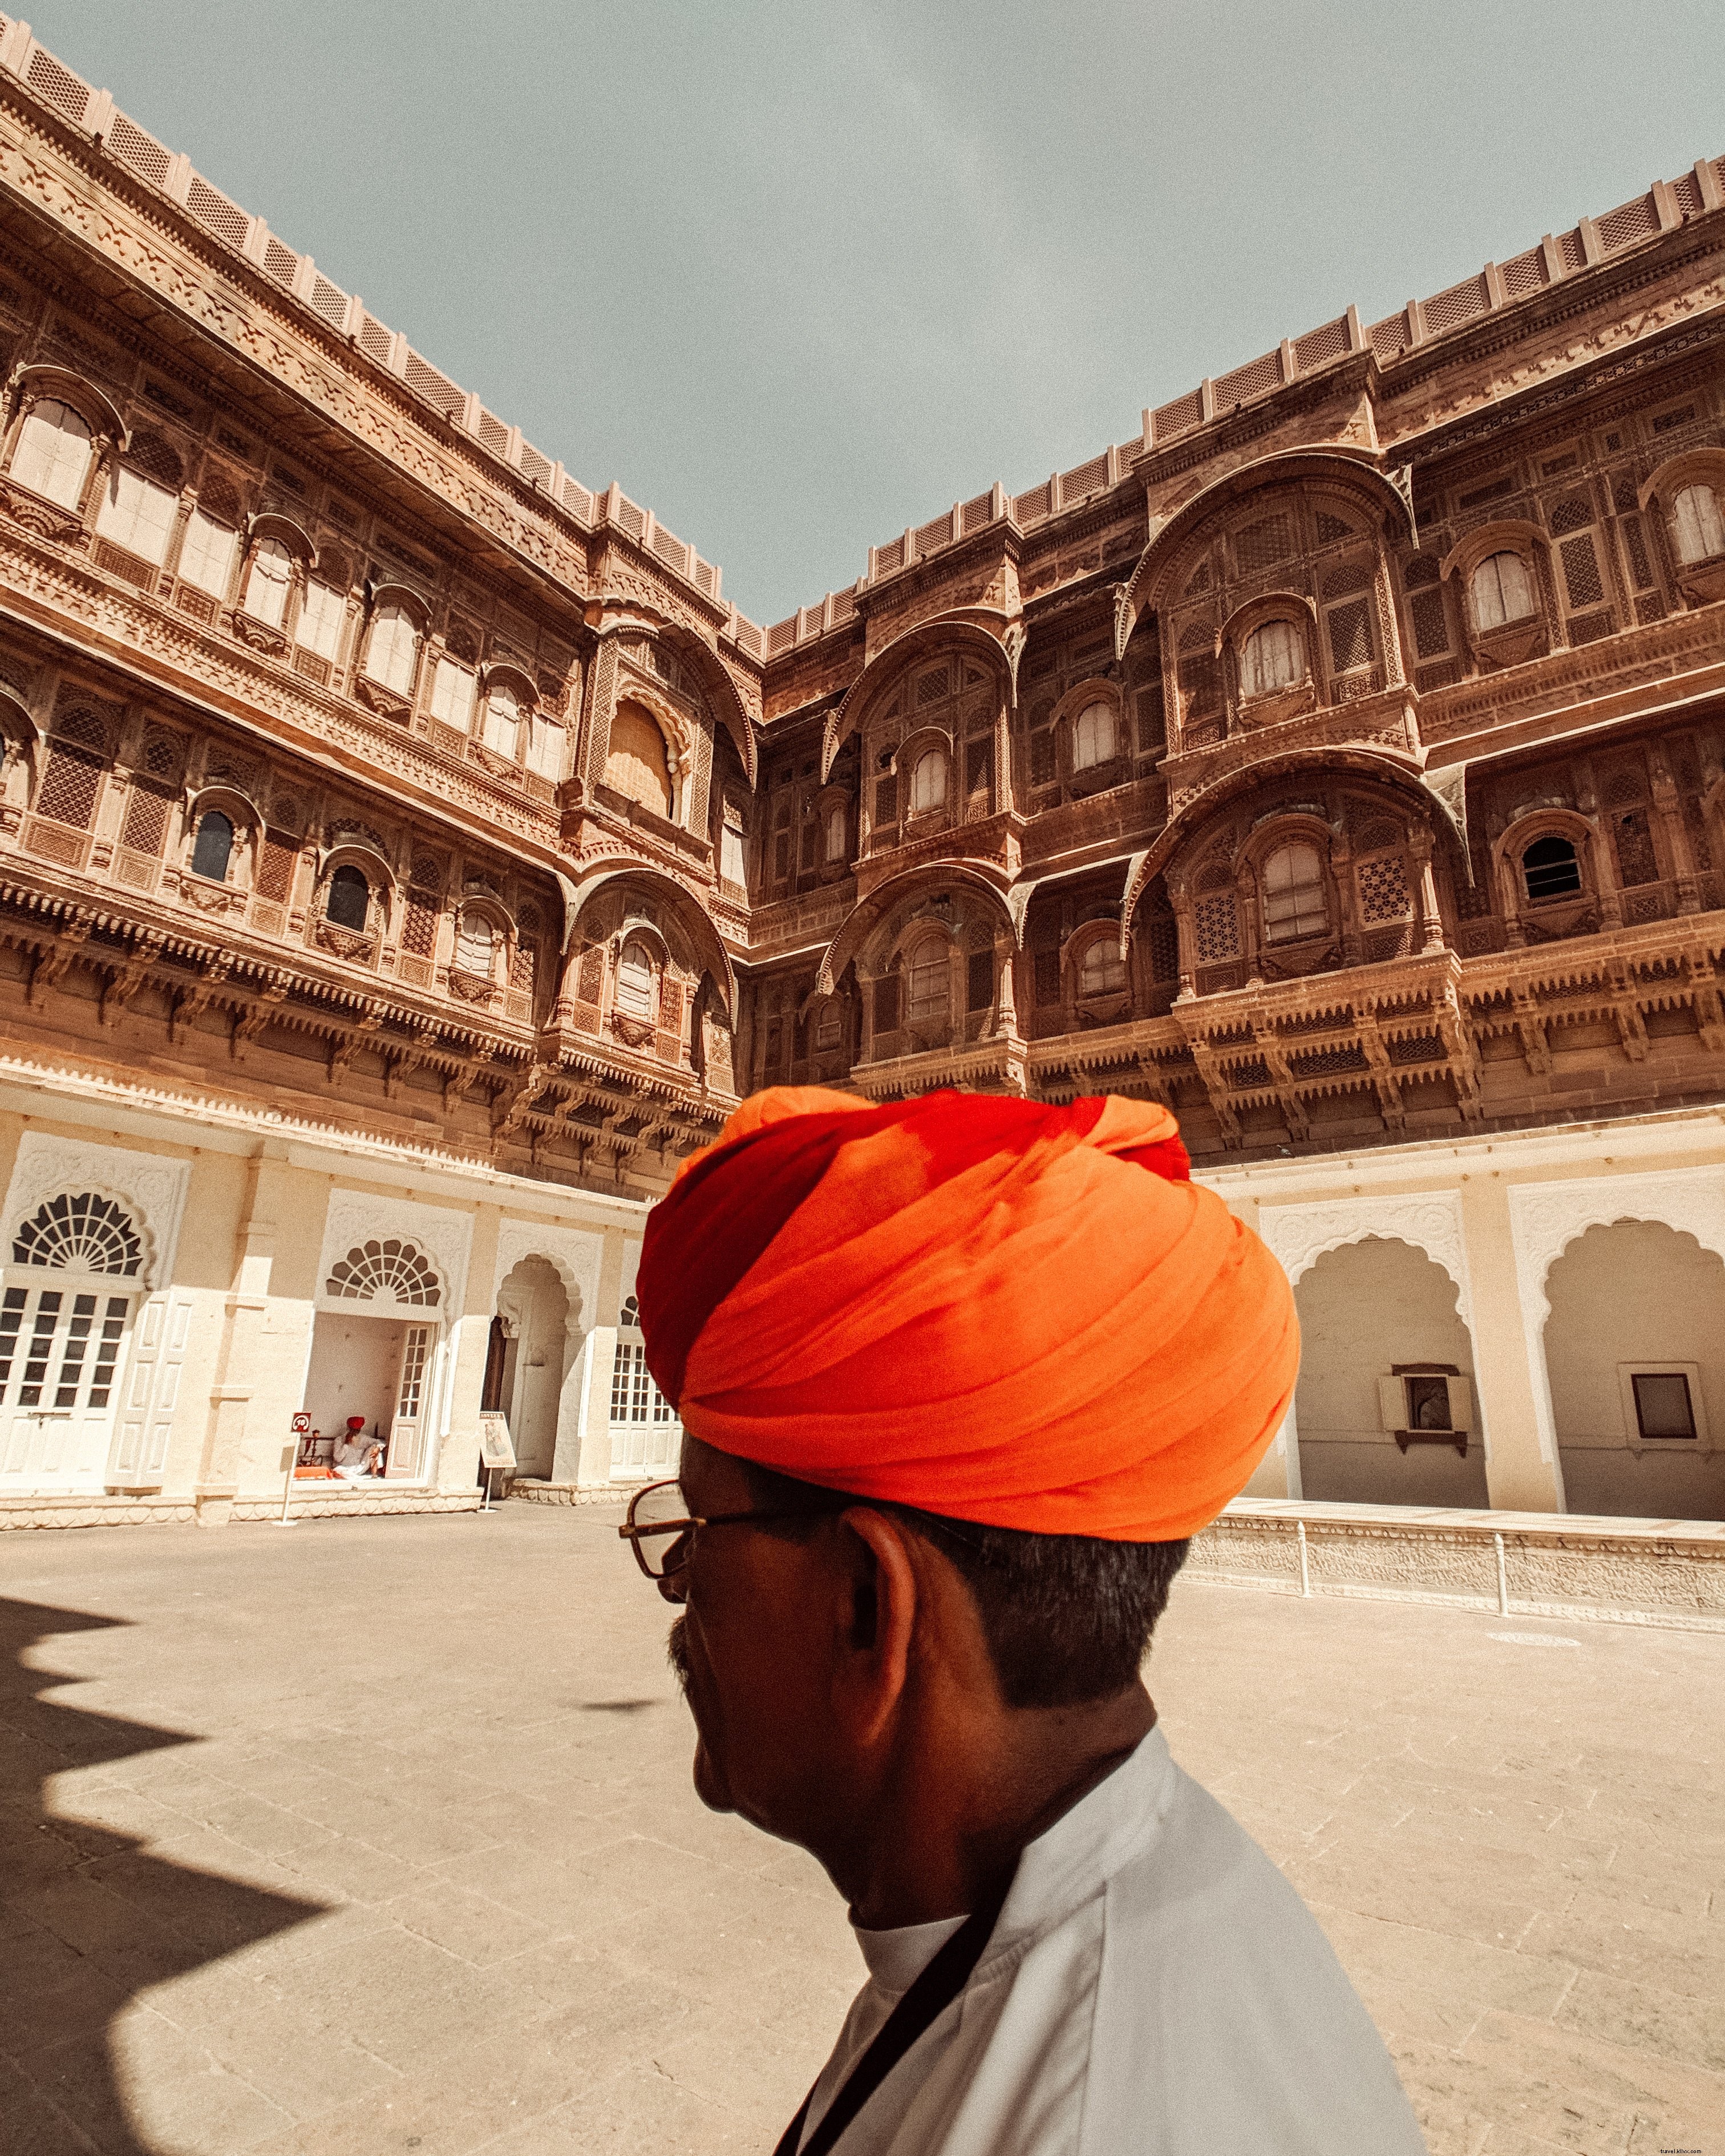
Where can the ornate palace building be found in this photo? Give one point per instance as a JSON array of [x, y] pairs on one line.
[[408, 854]]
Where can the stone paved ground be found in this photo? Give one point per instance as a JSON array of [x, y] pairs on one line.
[[377, 1835]]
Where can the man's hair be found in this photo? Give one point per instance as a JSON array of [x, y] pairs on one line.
[[1067, 1617]]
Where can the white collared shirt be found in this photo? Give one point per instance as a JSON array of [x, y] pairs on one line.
[[1153, 1985]]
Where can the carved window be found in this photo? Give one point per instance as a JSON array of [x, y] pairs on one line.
[[349, 898], [453, 689], [838, 832], [636, 976], [1295, 904], [319, 627], [931, 982], [1384, 890], [476, 944], [207, 554], [1550, 869], [1696, 524], [270, 580], [1101, 971], [928, 781], [503, 721], [213, 848], [393, 649], [389, 1269], [1273, 657], [1095, 736], [1215, 928], [829, 1026], [69, 786], [136, 514], [545, 746], [1500, 591], [732, 862], [79, 1232], [418, 935], [636, 765], [53, 451]]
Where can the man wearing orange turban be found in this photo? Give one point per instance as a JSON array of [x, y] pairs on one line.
[[958, 1378]]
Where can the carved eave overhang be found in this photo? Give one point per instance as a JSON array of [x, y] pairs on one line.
[[1362, 471], [987, 879], [997, 632], [1332, 406], [112, 625], [1692, 334], [237, 296], [1610, 285], [630, 593], [978, 575], [1397, 767]]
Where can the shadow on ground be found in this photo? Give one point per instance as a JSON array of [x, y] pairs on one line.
[[88, 1919]]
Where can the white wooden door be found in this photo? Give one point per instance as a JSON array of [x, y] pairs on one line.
[[152, 1392], [646, 1437], [60, 1347], [407, 1431]]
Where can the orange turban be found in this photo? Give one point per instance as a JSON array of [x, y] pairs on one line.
[[994, 1309]]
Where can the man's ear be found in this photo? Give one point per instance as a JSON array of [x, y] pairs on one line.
[[884, 1592]]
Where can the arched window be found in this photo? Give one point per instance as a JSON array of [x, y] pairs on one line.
[[393, 649], [931, 972], [476, 943], [453, 689], [636, 765], [389, 1269], [1550, 869], [53, 452], [636, 979], [1100, 971], [1696, 524], [1273, 657], [136, 514], [838, 832], [80, 1232], [928, 781], [829, 1026], [1093, 736], [1500, 591], [503, 721], [214, 845], [1294, 903], [207, 554], [268, 586], [350, 899]]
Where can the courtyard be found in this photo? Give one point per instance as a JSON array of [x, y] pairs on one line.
[[377, 1835]]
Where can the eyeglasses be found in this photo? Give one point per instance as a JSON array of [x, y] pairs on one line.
[[660, 1529]]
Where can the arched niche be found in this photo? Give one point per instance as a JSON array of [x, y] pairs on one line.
[[958, 633]]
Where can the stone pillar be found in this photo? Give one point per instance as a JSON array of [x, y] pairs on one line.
[[1522, 1473], [275, 1200], [458, 1454], [593, 1467]]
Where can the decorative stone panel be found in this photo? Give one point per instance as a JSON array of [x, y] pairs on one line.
[[445, 1235], [150, 1187]]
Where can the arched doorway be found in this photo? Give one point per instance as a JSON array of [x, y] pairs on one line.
[[526, 1384], [1634, 1354], [72, 1283], [1385, 1410]]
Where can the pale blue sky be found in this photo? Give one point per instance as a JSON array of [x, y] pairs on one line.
[[799, 275]]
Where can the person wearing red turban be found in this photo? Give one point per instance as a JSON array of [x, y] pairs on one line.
[[959, 1377]]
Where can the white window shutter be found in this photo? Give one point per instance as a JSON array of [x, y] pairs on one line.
[[1393, 1403], [1460, 1403]]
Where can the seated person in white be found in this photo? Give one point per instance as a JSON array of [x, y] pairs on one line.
[[355, 1455]]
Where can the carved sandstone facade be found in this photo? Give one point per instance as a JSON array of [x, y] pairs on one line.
[[1340, 760]]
